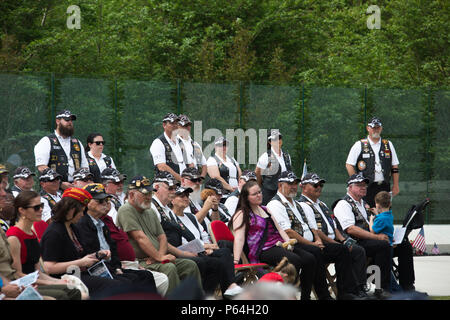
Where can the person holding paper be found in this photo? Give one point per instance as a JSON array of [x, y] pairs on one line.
[[215, 264], [61, 249]]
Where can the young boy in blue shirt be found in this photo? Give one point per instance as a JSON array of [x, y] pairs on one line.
[[383, 222]]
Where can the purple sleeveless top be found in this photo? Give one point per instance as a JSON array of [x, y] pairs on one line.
[[255, 234]]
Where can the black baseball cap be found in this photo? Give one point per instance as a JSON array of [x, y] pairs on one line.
[[97, 191], [140, 183], [171, 117], [374, 122], [312, 178], [181, 190], [167, 177], [23, 172], [66, 114], [356, 178], [248, 175], [113, 174], [49, 175], [288, 176], [191, 173], [184, 120], [215, 185], [82, 173]]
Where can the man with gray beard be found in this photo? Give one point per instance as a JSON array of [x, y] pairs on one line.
[[377, 160], [60, 151]]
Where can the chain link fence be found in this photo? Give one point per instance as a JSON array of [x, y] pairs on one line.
[[319, 125]]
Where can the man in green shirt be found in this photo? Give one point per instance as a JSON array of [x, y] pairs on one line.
[[147, 236]]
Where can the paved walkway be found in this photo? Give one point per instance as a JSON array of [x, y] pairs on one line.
[[433, 275]]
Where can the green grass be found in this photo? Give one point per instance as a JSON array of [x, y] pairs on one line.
[[439, 297]]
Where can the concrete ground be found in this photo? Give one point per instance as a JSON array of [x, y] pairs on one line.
[[433, 275]]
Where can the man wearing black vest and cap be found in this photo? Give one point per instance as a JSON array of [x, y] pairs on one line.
[[329, 229], [352, 216], [377, 160], [191, 147], [50, 193], [271, 164], [294, 221], [167, 153], [23, 180], [60, 151]]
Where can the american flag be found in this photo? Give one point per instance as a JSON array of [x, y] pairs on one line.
[[419, 242], [435, 249]]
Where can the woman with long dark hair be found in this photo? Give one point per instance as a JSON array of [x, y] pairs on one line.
[[25, 249], [97, 160], [256, 229]]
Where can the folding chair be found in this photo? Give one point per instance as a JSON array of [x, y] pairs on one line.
[[414, 219], [218, 230]]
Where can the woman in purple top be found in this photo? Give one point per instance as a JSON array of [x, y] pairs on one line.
[[254, 226]]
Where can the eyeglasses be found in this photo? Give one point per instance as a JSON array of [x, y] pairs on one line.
[[36, 207], [100, 142], [255, 193]]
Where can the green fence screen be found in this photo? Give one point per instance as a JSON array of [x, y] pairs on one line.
[[319, 125]]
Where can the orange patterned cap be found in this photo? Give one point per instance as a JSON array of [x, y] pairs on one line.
[[78, 194]]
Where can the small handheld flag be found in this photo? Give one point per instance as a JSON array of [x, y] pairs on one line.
[[419, 242]]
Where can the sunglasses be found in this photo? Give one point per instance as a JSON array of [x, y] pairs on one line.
[[68, 119], [100, 142], [183, 195], [316, 185], [36, 207], [196, 180], [101, 201]]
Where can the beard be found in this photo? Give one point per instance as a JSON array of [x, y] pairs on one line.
[[195, 196], [144, 205], [375, 135], [66, 131]]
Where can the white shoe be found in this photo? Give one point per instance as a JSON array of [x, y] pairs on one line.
[[233, 291]]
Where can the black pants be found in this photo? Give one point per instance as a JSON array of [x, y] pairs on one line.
[[359, 268], [372, 190], [342, 259], [380, 252], [305, 259], [404, 252], [216, 269]]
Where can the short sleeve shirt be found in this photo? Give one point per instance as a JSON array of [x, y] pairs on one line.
[[158, 152], [129, 219], [356, 150], [343, 212], [229, 163], [42, 153], [278, 211]]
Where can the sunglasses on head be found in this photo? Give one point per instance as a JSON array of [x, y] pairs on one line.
[[36, 207], [100, 142]]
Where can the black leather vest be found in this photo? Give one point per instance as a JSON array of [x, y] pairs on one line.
[[95, 170], [319, 218], [223, 169], [366, 160], [58, 158], [168, 150], [296, 224], [270, 182], [360, 221]]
